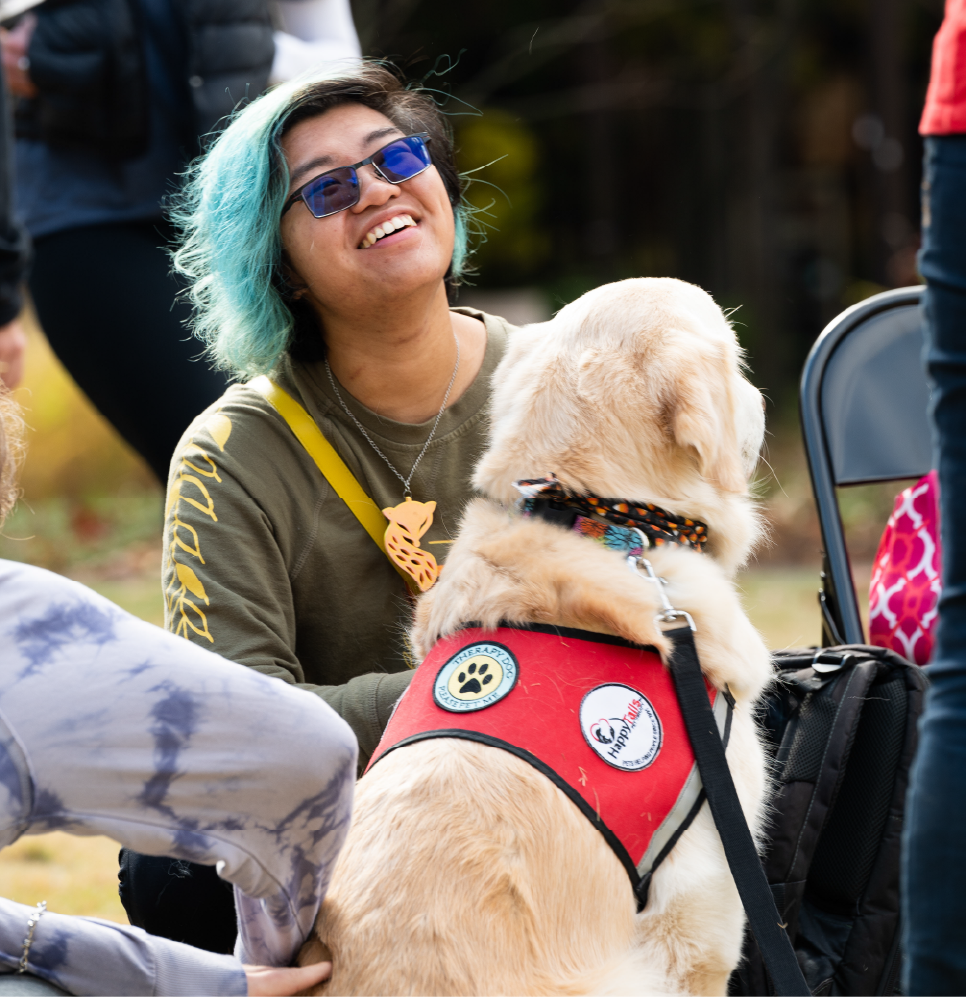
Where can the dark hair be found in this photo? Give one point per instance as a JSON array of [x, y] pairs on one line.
[[375, 85], [244, 307]]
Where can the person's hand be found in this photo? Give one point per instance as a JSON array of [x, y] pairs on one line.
[[12, 344], [13, 55], [272, 981]]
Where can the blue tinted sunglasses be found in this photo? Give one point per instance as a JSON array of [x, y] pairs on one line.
[[338, 189]]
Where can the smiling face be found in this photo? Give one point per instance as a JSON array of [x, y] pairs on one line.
[[395, 243]]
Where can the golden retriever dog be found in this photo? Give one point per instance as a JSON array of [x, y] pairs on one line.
[[467, 871]]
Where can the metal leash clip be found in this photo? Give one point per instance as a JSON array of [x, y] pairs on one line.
[[668, 613]]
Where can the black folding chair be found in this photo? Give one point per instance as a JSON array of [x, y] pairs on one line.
[[864, 401]]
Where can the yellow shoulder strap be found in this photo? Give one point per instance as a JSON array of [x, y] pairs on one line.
[[331, 465]]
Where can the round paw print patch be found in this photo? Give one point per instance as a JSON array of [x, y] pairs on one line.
[[479, 676]]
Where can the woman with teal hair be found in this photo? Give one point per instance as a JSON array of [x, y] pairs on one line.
[[324, 239]]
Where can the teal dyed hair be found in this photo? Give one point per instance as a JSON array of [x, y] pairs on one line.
[[229, 208]]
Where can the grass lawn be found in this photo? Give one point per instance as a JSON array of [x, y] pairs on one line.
[[139, 596], [74, 875]]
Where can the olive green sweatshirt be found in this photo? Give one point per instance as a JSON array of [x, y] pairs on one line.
[[265, 565]]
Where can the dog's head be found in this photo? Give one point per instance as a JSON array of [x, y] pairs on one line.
[[633, 391]]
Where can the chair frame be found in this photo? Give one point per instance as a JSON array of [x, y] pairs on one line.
[[841, 621]]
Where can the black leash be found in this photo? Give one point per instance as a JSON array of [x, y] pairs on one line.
[[766, 924]]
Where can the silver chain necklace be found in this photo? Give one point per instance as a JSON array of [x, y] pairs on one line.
[[429, 439]]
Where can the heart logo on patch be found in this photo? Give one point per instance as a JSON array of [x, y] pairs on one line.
[[621, 726]]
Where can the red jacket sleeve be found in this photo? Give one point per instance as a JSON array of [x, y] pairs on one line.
[[945, 110]]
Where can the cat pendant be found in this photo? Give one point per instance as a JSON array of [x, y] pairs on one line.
[[408, 521]]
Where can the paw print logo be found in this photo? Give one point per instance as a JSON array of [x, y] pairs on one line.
[[475, 677]]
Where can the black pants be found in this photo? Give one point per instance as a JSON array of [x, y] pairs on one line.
[[106, 300], [178, 900]]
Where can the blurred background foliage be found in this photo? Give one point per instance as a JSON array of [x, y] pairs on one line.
[[764, 149], [499, 155]]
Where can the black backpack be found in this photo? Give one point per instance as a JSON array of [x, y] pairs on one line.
[[841, 724]]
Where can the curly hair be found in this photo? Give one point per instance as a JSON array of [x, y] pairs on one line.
[[11, 450], [229, 208]]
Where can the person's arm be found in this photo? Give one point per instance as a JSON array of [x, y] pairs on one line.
[[366, 703], [86, 955], [313, 32], [232, 529], [126, 731], [89, 956]]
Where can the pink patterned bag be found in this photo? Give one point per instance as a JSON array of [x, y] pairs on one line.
[[906, 580]]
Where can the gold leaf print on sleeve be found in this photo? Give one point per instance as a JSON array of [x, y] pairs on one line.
[[191, 581], [187, 607], [183, 612], [219, 426]]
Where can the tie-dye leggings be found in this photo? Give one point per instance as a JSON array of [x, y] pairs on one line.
[[109, 725]]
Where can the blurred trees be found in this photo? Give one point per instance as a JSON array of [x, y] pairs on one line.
[[504, 190], [765, 149]]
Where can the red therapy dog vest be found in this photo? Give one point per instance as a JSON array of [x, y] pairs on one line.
[[596, 714]]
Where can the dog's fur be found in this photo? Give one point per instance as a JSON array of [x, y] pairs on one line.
[[468, 872]]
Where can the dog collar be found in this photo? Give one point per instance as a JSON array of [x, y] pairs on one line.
[[624, 523]]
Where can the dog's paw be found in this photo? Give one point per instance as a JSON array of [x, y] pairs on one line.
[[474, 679], [314, 950]]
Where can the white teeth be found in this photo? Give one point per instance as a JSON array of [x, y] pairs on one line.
[[386, 228]]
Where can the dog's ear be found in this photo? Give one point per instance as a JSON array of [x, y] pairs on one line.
[[703, 416]]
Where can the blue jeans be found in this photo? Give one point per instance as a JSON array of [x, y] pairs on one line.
[[934, 868]]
